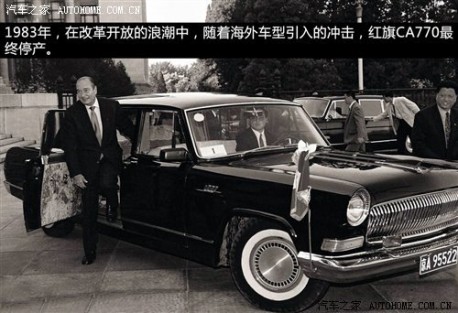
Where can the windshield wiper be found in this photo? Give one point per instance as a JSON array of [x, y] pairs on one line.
[[265, 148]]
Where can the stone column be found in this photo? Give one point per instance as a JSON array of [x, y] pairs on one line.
[[4, 77], [37, 18]]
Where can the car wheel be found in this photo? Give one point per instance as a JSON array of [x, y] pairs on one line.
[[59, 229], [266, 270]]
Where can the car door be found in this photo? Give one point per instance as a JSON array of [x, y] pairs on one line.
[[336, 115], [49, 195], [152, 191], [380, 133]]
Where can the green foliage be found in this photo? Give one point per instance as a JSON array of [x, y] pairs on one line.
[[157, 81], [47, 75], [220, 11], [201, 76], [251, 75]]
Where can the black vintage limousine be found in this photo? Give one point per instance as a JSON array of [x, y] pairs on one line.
[[186, 190]]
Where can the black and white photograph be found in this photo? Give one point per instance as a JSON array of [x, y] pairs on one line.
[[227, 156]]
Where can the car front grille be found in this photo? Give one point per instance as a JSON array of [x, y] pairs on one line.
[[413, 216]]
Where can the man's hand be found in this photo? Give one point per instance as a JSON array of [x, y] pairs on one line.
[[360, 140], [80, 181]]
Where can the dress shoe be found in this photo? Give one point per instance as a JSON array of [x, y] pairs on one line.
[[88, 259], [111, 217]]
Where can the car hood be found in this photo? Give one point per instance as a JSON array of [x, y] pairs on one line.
[[386, 177]]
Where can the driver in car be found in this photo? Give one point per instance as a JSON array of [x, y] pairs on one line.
[[256, 136]]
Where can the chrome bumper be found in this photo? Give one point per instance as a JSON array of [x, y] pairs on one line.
[[375, 263]]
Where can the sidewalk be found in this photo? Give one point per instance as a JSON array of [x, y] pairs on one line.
[[44, 274]]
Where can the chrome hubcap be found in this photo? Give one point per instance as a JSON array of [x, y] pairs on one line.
[[275, 265]]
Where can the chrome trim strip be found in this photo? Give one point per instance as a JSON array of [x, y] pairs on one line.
[[380, 262], [403, 246], [171, 231], [13, 185], [152, 226]]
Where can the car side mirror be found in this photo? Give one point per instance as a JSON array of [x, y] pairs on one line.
[[173, 155], [328, 118], [339, 110]]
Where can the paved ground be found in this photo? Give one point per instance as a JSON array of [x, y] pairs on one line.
[[43, 274]]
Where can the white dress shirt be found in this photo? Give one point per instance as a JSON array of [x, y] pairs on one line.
[[258, 134]]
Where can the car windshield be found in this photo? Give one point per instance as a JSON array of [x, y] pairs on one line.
[[230, 130], [314, 107]]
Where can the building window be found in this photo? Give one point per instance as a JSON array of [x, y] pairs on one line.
[[54, 16], [90, 15]]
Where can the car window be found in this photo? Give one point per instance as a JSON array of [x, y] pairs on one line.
[[337, 109], [371, 107], [161, 129], [124, 142], [216, 131], [314, 107]]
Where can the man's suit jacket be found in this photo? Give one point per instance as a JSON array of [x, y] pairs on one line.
[[355, 125], [428, 137], [247, 140], [213, 126], [405, 110], [82, 150]]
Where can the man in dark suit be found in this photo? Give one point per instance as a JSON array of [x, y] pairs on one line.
[[93, 155], [255, 136], [213, 124], [435, 129], [355, 133]]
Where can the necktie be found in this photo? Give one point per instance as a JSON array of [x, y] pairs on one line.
[[261, 141], [447, 127], [95, 125]]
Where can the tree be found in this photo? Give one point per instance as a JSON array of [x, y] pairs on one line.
[[219, 11], [158, 82], [242, 75], [277, 11], [203, 75], [43, 75]]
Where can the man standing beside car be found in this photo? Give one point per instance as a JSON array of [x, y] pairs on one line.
[[401, 112], [93, 155], [435, 129], [355, 133]]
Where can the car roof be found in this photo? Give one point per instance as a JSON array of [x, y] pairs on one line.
[[340, 97], [191, 100]]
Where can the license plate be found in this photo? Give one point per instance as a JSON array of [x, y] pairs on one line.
[[439, 259]]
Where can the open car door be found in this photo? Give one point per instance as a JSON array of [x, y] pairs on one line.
[[49, 194]]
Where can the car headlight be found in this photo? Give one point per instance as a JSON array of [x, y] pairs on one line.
[[358, 207]]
